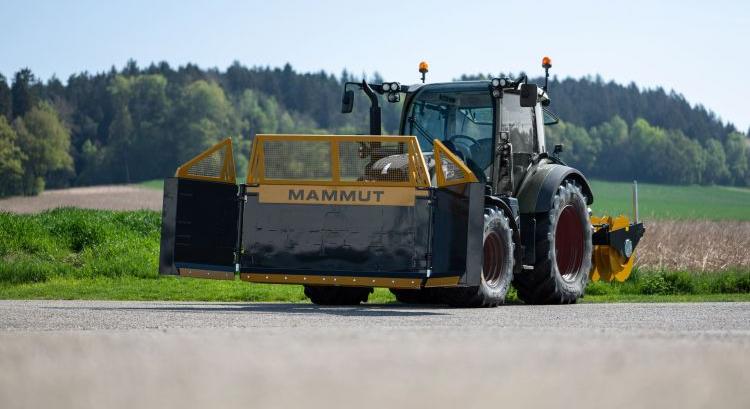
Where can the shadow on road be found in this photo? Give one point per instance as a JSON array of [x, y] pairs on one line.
[[367, 310]]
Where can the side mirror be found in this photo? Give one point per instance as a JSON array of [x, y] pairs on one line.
[[528, 95], [347, 102], [558, 150]]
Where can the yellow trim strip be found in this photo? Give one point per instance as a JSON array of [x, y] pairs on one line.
[[442, 282], [227, 174], [332, 280], [439, 150]]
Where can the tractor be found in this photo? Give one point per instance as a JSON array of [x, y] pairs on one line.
[[463, 203]]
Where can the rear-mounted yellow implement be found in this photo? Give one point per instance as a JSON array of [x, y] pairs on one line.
[[615, 239]]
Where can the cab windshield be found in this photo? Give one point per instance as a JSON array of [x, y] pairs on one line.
[[461, 120]]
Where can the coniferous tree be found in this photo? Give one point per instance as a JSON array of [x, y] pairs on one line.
[[6, 107], [22, 92]]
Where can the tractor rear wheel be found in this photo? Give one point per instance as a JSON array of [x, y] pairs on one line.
[[563, 251], [334, 295], [497, 267]]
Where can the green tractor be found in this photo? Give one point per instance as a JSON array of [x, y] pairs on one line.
[[463, 203]]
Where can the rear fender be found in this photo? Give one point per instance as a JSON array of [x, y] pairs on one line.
[[539, 187]]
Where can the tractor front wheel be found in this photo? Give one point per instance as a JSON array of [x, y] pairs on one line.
[[563, 251], [497, 267], [334, 295]]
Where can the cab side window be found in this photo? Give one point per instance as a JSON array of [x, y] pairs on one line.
[[519, 123]]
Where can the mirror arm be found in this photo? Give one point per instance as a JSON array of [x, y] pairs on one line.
[[375, 122]]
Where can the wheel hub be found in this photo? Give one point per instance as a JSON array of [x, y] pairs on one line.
[[494, 259], [569, 243]]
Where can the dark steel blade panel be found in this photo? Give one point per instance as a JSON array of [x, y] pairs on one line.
[[324, 239]]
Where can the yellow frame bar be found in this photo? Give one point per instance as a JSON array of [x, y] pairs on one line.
[[439, 150], [227, 174]]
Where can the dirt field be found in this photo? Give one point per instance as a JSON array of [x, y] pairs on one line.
[[695, 245], [668, 244], [94, 197]]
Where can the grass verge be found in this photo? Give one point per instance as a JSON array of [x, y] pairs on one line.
[[162, 288], [186, 289]]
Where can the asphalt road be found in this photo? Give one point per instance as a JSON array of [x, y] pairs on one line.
[[82, 354]]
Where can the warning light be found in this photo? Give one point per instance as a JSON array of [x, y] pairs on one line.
[[546, 62], [423, 67]]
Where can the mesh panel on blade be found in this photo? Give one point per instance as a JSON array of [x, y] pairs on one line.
[[373, 161], [210, 166], [451, 171], [302, 160]]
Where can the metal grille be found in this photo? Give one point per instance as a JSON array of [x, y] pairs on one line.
[[337, 159], [210, 166], [297, 160], [451, 171], [373, 161]]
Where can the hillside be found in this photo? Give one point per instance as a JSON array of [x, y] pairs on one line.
[[138, 123]]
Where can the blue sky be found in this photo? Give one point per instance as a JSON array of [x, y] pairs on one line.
[[700, 49]]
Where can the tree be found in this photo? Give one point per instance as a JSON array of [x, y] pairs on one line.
[[613, 138], [46, 143], [138, 135], [735, 148], [579, 150], [6, 107], [685, 159], [23, 96], [11, 160], [716, 163], [205, 118]]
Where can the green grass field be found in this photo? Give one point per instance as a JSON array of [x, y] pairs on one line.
[[655, 201], [672, 202], [96, 254]]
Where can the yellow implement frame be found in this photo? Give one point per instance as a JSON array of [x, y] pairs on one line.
[[216, 164], [442, 152], [417, 169]]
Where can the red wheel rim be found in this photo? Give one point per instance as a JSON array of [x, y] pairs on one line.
[[494, 259], [569, 243]]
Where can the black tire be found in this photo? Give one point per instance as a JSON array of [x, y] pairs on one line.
[[334, 295], [409, 296], [497, 267], [563, 251]]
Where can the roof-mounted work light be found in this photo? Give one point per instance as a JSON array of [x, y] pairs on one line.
[[392, 89], [497, 85]]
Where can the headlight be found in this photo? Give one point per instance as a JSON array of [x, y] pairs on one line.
[[503, 82], [386, 86], [495, 82]]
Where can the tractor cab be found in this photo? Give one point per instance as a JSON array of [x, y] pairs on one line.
[[471, 119]]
